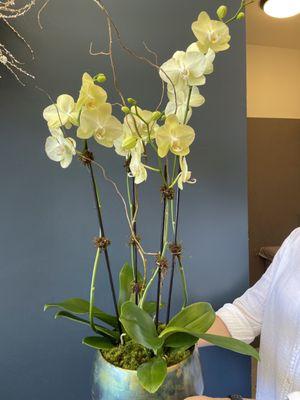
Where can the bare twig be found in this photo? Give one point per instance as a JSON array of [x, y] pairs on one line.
[[133, 53], [99, 53], [9, 11], [112, 63], [151, 52], [40, 11]]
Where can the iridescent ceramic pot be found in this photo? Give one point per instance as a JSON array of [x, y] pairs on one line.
[[114, 383]]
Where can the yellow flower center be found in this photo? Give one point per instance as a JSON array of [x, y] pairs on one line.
[[176, 144], [213, 37], [91, 104], [100, 132], [60, 150], [184, 72]]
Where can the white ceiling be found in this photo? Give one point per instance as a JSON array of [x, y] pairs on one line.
[[267, 31]]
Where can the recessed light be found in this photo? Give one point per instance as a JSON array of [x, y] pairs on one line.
[[281, 8]]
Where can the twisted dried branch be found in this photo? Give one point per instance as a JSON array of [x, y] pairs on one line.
[[8, 11]]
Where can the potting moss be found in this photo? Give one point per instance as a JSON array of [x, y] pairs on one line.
[[131, 355]]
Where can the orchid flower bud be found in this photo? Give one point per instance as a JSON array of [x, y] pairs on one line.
[[131, 101], [125, 109], [222, 12], [240, 16], [100, 78]]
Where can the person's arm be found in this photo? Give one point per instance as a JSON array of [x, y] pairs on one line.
[[209, 398], [218, 328], [294, 396], [243, 318]]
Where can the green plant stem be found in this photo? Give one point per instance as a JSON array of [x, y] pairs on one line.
[[184, 284], [174, 167], [173, 256], [241, 7], [135, 266], [102, 233], [92, 290], [188, 104], [150, 283], [130, 206], [162, 250], [175, 230], [166, 234]]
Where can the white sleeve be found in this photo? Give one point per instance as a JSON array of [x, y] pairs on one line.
[[294, 396], [244, 316]]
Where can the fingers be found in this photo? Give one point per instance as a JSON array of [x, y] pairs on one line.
[[198, 398]]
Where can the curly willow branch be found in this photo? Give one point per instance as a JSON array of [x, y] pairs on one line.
[[8, 11], [132, 53]]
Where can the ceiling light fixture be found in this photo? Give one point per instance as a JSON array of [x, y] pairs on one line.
[[281, 8]]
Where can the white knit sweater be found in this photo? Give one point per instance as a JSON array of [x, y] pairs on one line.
[[271, 308]]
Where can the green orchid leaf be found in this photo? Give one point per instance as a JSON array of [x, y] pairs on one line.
[[98, 342], [152, 374], [140, 326], [75, 318], [150, 307], [81, 306], [194, 319], [180, 340], [126, 280], [231, 344]]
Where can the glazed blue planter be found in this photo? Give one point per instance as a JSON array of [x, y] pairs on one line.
[[114, 383]]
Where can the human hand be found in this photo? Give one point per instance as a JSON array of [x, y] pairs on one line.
[[205, 398]]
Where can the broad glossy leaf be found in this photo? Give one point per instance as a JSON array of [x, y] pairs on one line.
[[152, 374], [98, 342], [140, 326], [231, 344], [195, 319], [126, 279], [181, 340], [75, 318], [80, 306], [150, 307]]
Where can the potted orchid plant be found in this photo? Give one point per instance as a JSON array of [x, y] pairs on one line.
[[139, 355]]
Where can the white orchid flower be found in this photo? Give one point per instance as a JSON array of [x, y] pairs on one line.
[[137, 168], [175, 137], [101, 124], [185, 174], [181, 99], [188, 67], [91, 95], [211, 34], [63, 113], [209, 57], [60, 149]]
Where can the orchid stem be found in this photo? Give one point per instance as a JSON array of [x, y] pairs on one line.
[[184, 284], [173, 256], [102, 233], [135, 266], [131, 216], [162, 243], [92, 290]]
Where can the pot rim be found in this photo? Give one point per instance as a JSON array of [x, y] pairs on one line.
[[134, 371]]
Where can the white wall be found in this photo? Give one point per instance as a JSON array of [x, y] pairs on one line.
[[273, 82]]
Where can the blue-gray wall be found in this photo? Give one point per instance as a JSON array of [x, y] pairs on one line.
[[47, 215]]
